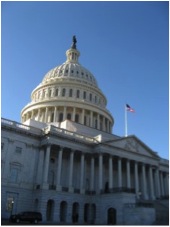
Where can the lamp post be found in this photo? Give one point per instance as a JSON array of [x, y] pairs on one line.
[[12, 204]]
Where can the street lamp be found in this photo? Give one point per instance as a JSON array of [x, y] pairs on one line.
[[12, 205]]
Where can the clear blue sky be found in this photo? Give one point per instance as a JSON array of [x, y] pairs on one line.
[[124, 45]]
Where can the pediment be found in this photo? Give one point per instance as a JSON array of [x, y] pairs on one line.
[[133, 144]]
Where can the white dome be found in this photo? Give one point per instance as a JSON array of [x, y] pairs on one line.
[[69, 91]]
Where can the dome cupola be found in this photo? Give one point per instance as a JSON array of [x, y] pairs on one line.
[[69, 91]]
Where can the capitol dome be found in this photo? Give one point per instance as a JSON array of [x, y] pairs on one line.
[[69, 92]]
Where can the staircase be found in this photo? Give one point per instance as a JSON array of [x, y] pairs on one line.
[[162, 212]]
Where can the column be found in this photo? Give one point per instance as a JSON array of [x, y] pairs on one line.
[[119, 173], [40, 166], [103, 124], [71, 172], [58, 188], [32, 114], [39, 111], [7, 160], [64, 114], [151, 182], [55, 113], [137, 181], [27, 116], [162, 185], [144, 181], [108, 125], [82, 117], [166, 181], [82, 175], [91, 119], [157, 179], [46, 114], [100, 172], [98, 121], [92, 175], [46, 167], [110, 172], [128, 174]]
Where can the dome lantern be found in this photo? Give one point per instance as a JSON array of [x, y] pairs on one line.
[[73, 54]]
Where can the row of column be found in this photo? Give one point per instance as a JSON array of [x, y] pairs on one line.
[[160, 182], [46, 115], [68, 93]]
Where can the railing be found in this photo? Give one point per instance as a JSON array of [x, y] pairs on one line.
[[20, 126], [118, 190], [139, 204], [74, 135]]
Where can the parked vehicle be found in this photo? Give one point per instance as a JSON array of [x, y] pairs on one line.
[[29, 216]]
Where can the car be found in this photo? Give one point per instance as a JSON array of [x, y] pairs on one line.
[[27, 216]]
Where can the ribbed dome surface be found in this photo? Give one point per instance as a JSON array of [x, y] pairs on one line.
[[70, 71]]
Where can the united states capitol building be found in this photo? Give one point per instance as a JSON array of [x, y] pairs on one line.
[[63, 160]]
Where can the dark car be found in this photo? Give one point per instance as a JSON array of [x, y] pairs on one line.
[[28, 216]]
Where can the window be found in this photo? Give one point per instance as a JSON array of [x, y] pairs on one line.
[[43, 94], [63, 92], [90, 97], [84, 95], [18, 150], [69, 116], [71, 93], [50, 92], [56, 92], [78, 93], [15, 170], [61, 117], [95, 99]]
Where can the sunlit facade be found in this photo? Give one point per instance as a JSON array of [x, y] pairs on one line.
[[64, 161]]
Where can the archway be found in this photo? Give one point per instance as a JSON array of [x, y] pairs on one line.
[[75, 213], [50, 210], [63, 211], [111, 216]]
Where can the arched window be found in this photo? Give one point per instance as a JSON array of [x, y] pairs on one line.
[[71, 93], [56, 92], [63, 211], [75, 212], [50, 92], [78, 93], [63, 92]]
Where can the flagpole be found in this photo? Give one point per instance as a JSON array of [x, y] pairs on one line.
[[126, 122]]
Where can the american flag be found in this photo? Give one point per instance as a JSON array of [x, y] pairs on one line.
[[128, 108]]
